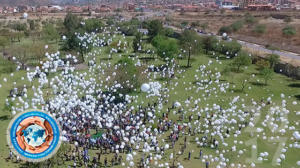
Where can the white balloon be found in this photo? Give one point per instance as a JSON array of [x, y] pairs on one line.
[[25, 15], [296, 135], [177, 104], [145, 87]]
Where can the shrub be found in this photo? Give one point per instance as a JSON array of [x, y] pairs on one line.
[[288, 19], [19, 26], [262, 64], [129, 30], [289, 31], [249, 19], [225, 29], [237, 25], [195, 24], [260, 29]]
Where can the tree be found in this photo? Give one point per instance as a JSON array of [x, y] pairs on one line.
[[166, 48], [190, 38], [190, 41], [3, 43], [242, 59], [229, 48], [81, 46], [21, 54], [137, 42], [93, 25], [244, 82], [154, 28], [168, 32], [209, 42], [266, 74], [34, 35], [273, 60], [110, 21], [127, 75], [50, 33], [32, 25], [71, 22], [38, 51], [289, 31]]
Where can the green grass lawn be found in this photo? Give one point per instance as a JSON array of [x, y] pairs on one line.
[[181, 88]]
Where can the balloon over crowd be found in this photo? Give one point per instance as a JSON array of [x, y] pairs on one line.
[[150, 128]]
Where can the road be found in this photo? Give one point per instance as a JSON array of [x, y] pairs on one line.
[[254, 47], [261, 48]]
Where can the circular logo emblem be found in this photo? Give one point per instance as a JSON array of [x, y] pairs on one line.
[[34, 135]]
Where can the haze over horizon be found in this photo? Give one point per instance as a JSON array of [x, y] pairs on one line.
[[46, 2]]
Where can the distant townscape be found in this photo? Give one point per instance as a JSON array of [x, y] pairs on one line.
[[138, 6]]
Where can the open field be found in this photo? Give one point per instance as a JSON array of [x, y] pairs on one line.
[[186, 88]]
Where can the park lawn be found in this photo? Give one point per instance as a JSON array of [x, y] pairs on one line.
[[279, 84]]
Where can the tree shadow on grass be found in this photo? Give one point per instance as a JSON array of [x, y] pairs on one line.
[[258, 84], [184, 66], [296, 85], [237, 90], [4, 117], [162, 79], [147, 58], [199, 82], [105, 59], [297, 97], [219, 57]]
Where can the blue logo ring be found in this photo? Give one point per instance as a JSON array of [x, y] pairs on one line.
[[25, 155]]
